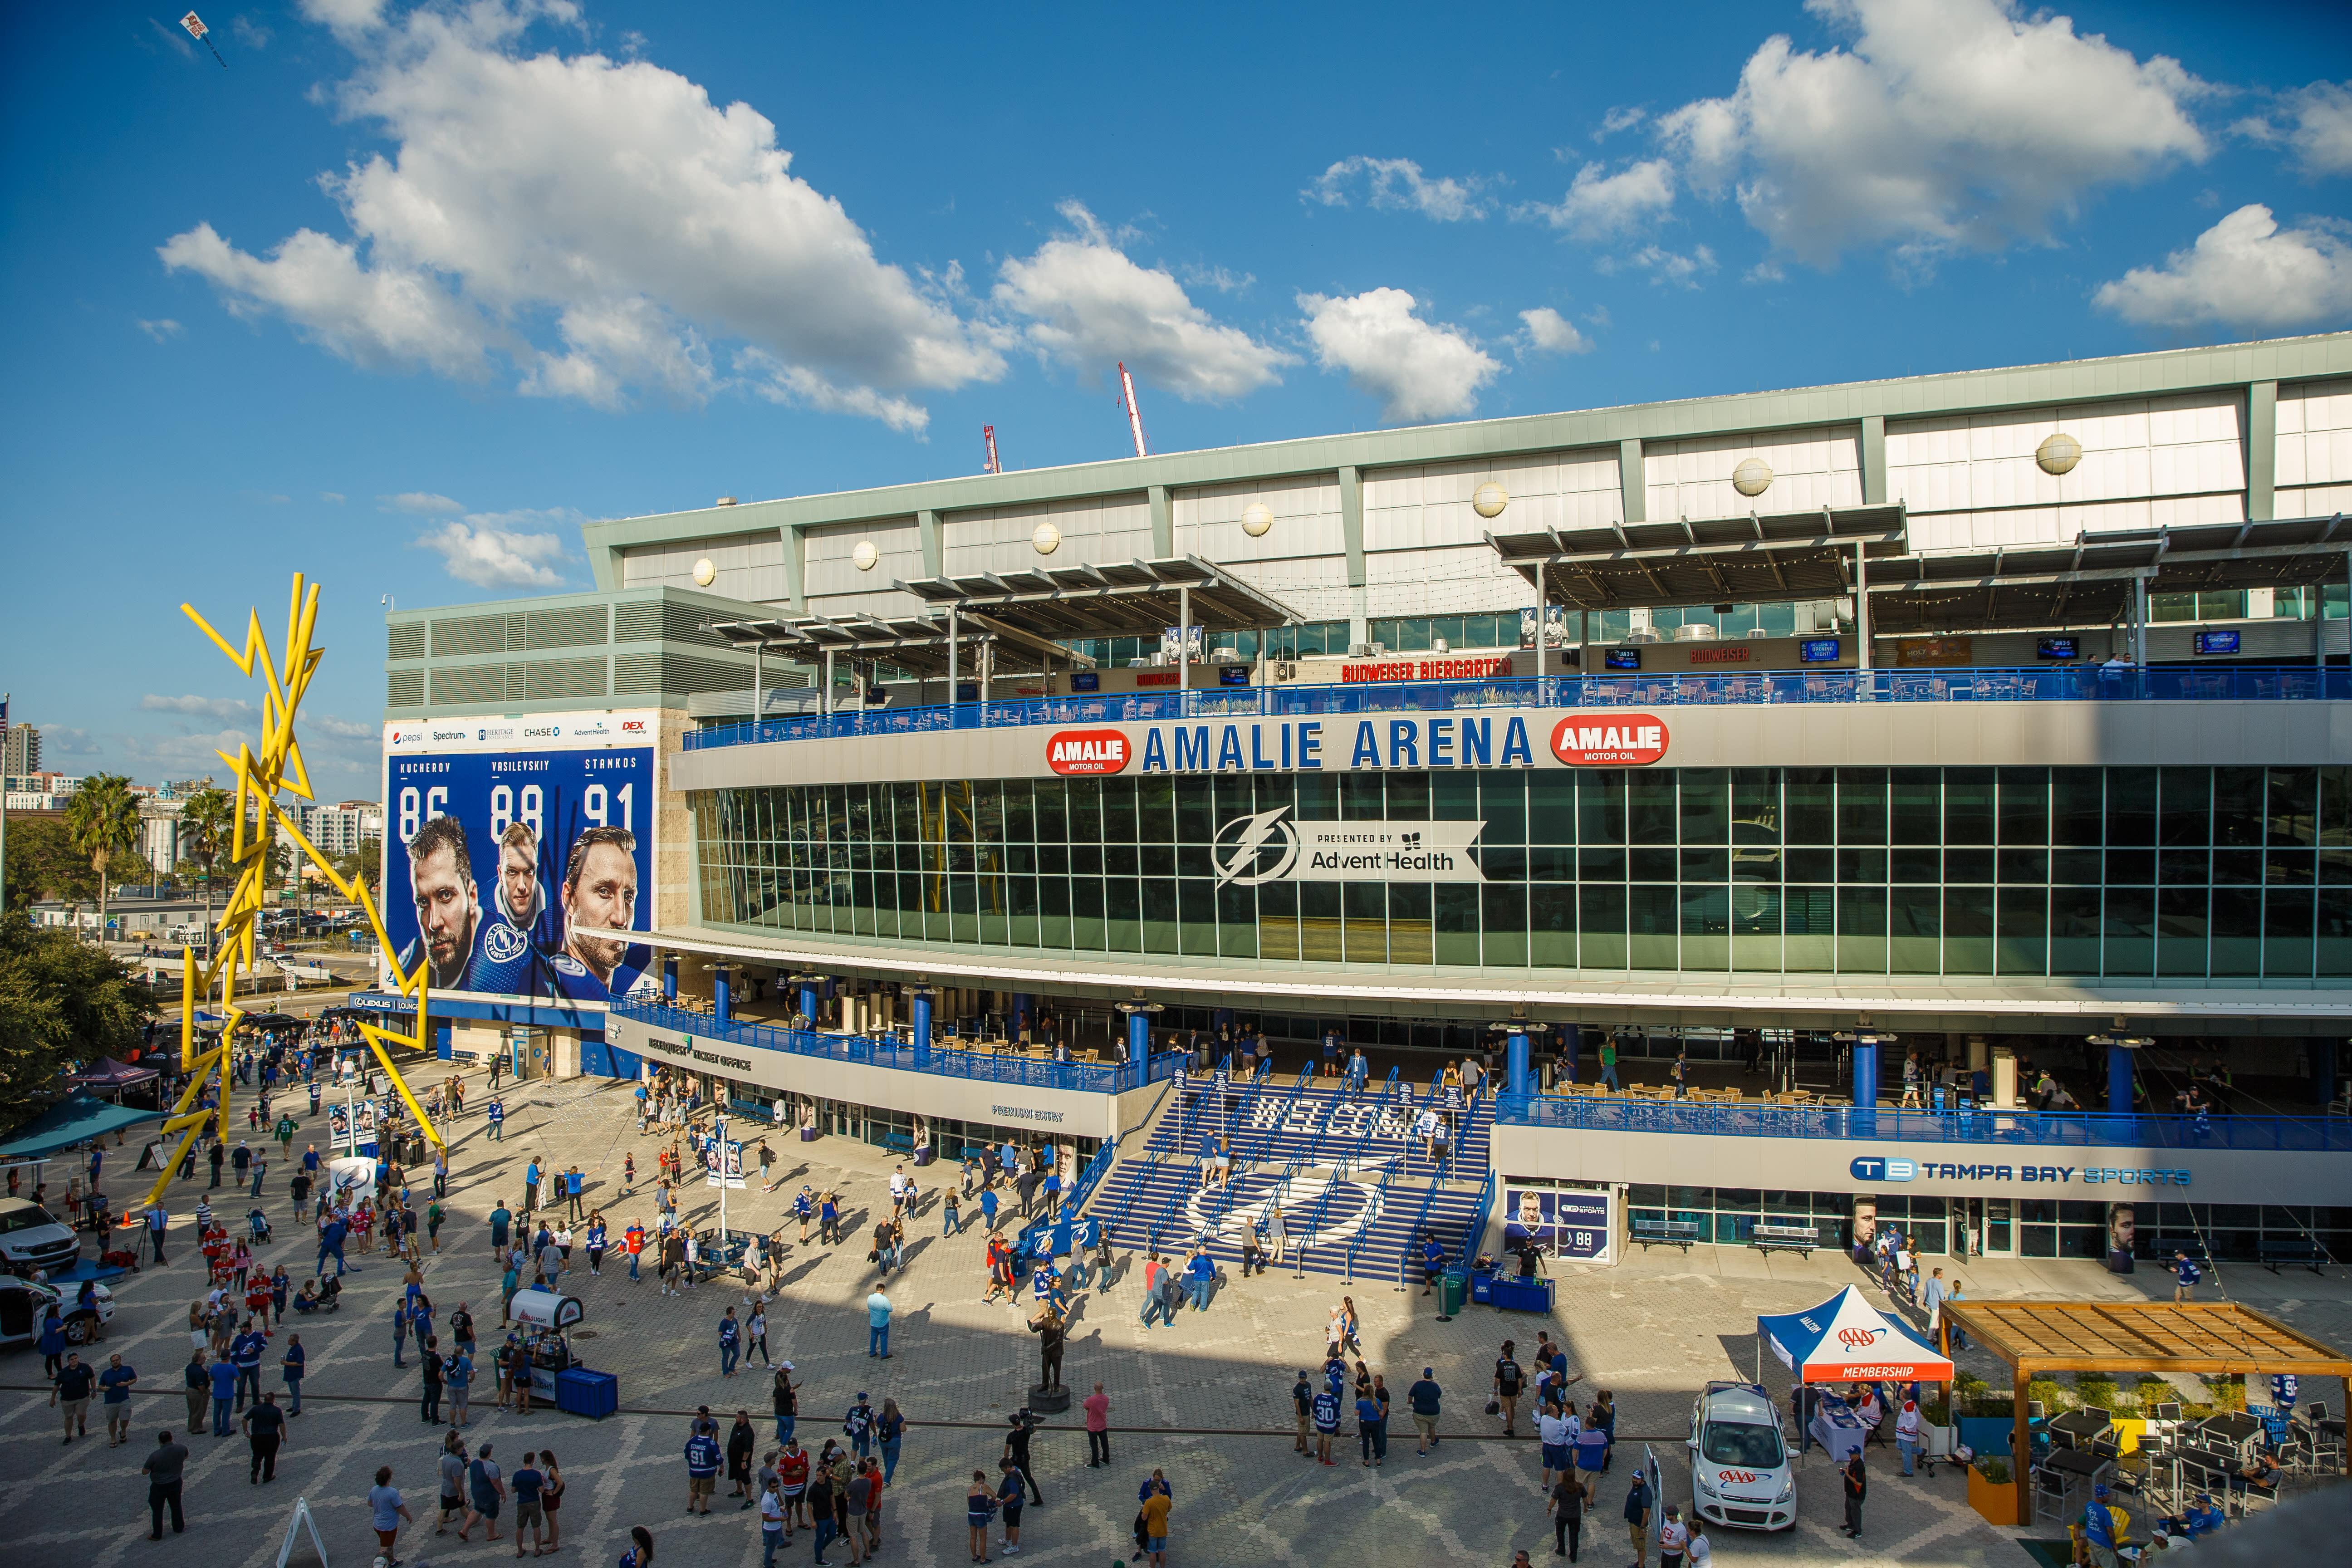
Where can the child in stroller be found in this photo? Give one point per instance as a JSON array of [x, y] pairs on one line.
[[258, 1224]]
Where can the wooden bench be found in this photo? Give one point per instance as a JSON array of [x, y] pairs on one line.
[[1802, 1239], [2298, 1254], [1666, 1231]]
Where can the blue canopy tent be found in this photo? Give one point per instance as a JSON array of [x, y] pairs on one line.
[[77, 1118]]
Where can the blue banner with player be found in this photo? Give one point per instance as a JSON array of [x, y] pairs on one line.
[[508, 841]]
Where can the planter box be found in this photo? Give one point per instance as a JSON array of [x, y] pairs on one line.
[[1995, 1504]]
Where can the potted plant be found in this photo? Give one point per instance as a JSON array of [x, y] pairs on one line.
[[1992, 1490]]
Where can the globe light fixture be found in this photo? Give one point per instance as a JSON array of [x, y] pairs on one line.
[[704, 573], [1753, 477], [1047, 538], [863, 555], [2058, 454], [1256, 519], [1490, 499]]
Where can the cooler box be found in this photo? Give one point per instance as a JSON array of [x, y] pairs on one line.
[[579, 1392]]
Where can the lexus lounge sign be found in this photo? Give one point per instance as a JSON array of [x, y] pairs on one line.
[[1609, 739]]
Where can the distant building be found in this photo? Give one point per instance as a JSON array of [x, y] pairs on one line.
[[340, 829], [20, 752]]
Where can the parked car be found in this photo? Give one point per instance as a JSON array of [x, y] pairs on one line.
[[32, 1237], [24, 1302], [1741, 1473]]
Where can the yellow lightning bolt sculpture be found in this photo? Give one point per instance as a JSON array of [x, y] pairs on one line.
[[261, 777]]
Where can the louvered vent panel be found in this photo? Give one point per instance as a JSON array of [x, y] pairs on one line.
[[555, 678], [638, 621], [404, 687], [461, 635], [636, 674], [581, 627], [469, 683], [404, 640]]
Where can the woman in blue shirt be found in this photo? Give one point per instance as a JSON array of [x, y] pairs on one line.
[[889, 1427]]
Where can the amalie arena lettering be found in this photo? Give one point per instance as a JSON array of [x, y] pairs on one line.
[[1614, 739]]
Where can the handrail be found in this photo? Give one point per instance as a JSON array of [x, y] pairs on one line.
[[1475, 1232], [1151, 1161], [1388, 1175], [1113, 1077], [1176, 1198], [1250, 1096], [1971, 1128], [1322, 1205], [1414, 1232], [2039, 683]]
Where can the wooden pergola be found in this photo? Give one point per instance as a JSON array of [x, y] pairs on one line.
[[2033, 1337]]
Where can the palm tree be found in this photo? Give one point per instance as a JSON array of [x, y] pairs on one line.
[[103, 819], [207, 823]]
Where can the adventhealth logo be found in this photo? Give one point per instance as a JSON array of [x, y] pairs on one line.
[[1878, 1168]]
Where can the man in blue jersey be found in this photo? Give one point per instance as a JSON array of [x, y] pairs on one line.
[[506, 961], [599, 891]]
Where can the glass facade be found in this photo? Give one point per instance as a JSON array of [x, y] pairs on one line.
[[2180, 875]]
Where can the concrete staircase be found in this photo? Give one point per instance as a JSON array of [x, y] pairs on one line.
[[1347, 1171]]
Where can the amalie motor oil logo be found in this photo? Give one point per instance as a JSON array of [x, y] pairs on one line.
[[1609, 739], [1086, 752]]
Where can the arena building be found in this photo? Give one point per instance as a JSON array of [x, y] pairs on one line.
[[1935, 796]]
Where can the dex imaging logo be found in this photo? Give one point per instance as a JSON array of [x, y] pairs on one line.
[[1253, 849], [1878, 1168]]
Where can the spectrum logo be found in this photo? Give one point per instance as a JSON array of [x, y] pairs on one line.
[[1086, 752], [1878, 1168]]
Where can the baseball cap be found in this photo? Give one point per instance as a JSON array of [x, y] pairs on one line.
[[1429, 1371], [2098, 1491], [788, 1367], [861, 1394]]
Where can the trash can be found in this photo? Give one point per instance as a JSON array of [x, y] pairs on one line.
[[1452, 1290]]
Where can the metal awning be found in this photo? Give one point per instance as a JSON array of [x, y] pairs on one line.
[[2089, 582], [917, 644], [1740, 559], [1132, 598]]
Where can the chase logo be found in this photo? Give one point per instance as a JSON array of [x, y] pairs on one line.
[[1876, 1168]]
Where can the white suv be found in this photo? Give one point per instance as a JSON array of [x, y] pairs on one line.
[[31, 1238], [1741, 1473]]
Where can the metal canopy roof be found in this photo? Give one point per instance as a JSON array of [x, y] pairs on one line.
[[1751, 559], [1810, 555], [917, 644], [2089, 582], [1133, 598], [2143, 1336]]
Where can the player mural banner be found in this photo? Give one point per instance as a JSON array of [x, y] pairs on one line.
[[1563, 1224], [507, 838]]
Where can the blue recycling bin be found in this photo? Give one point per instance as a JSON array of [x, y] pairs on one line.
[[579, 1392]]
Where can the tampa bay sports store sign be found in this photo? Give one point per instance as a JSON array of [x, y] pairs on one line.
[[1274, 846], [1608, 739]]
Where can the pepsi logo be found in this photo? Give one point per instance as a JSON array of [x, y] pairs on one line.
[[1086, 752]]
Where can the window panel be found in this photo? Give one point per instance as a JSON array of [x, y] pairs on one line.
[[2187, 810], [1503, 908], [1810, 803], [2023, 947], [2238, 807], [1457, 924], [1410, 936], [1915, 805], [2287, 949], [1862, 806], [1600, 915], [1706, 805], [2025, 807], [1967, 806]]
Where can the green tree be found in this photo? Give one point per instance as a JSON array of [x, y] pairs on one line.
[[207, 830], [363, 865], [63, 1002], [103, 817], [44, 864]]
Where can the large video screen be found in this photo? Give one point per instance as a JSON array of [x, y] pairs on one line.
[[507, 841]]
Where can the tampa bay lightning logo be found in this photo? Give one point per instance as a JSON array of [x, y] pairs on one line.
[[501, 944], [1253, 849]]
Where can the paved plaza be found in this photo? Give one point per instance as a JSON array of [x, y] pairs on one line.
[[1206, 1400]]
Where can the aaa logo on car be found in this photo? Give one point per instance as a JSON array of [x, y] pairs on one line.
[[1609, 739], [1728, 1477], [1086, 752]]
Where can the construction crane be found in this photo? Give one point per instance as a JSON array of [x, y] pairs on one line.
[[988, 464], [1134, 415]]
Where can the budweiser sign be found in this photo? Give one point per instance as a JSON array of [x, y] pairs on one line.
[[1086, 752], [1609, 739]]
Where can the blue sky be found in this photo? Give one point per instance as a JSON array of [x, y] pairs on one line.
[[405, 292]]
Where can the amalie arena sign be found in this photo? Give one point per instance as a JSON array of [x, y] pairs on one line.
[[1611, 739]]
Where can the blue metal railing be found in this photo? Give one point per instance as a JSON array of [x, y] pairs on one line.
[[2027, 1129], [2043, 683], [943, 1060]]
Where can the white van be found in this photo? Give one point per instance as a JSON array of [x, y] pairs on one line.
[[1740, 1472]]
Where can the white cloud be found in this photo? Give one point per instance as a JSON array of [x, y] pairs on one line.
[[2246, 274], [1548, 331], [1418, 369], [1399, 182], [1617, 120], [220, 709], [594, 224], [1089, 304], [340, 728], [163, 331], [334, 495], [491, 549], [249, 33], [172, 35], [1599, 205], [421, 503], [797, 385], [1218, 278], [1663, 265], [1947, 124], [2319, 129]]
